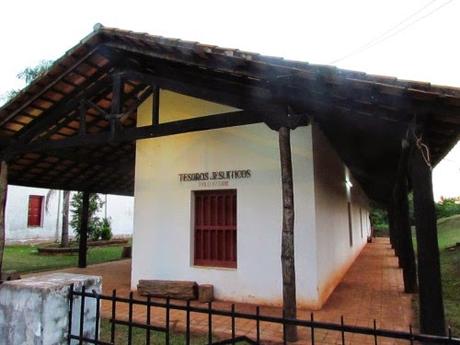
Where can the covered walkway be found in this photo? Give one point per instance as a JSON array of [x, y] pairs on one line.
[[76, 128], [372, 289]]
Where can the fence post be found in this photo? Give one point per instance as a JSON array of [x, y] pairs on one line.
[[47, 309]]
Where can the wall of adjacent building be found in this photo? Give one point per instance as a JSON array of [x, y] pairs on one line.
[[332, 194], [118, 208], [16, 215], [163, 235]]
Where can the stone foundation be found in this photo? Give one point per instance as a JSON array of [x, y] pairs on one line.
[[35, 310]]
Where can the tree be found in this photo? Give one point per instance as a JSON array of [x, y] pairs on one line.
[[94, 223], [447, 207], [379, 217], [65, 214], [65, 219], [28, 75]]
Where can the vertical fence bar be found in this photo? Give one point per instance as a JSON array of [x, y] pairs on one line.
[[284, 329], [258, 324], [187, 326], [233, 323], [98, 312], [375, 332], [411, 335], [342, 330], [70, 313], [147, 334], [408, 336], [167, 320], [312, 329], [130, 318], [209, 323], [82, 312], [112, 326]]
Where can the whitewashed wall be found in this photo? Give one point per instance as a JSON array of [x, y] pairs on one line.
[[16, 215], [118, 208], [335, 255], [162, 242]]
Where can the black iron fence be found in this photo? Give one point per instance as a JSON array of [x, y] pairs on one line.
[[79, 299]]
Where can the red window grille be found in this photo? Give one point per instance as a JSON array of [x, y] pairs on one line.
[[215, 228], [35, 210]]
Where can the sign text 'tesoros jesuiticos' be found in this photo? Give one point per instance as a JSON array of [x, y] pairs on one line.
[[215, 175]]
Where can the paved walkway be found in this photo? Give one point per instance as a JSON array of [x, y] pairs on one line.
[[371, 289]]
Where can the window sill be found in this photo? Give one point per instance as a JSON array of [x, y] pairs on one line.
[[218, 268]]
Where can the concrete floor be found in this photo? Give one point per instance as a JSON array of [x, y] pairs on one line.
[[371, 289]]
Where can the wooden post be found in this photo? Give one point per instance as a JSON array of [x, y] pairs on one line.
[[406, 247], [3, 192], [84, 231], [429, 272], [65, 219], [287, 240], [156, 105], [394, 232], [390, 227]]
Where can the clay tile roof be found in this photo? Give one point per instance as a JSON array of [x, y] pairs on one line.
[[106, 49]]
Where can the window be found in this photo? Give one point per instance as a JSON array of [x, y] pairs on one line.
[[35, 210], [350, 224], [215, 228]]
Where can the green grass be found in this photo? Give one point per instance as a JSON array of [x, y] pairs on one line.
[[139, 336], [448, 236], [448, 231], [25, 258]]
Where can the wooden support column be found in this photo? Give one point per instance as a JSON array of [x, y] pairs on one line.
[[287, 239], [390, 227], [429, 272], [406, 247], [393, 230], [83, 248], [401, 215], [156, 106], [3, 193]]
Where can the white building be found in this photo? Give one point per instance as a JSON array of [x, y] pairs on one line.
[[31, 217], [206, 178], [208, 208]]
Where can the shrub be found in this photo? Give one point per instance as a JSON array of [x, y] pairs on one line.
[[106, 229], [94, 223]]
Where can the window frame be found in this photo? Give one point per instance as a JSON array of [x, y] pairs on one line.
[[225, 236], [350, 223], [41, 198]]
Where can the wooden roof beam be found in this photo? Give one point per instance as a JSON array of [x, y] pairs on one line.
[[230, 119]]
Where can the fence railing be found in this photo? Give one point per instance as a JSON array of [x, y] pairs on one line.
[[311, 324]]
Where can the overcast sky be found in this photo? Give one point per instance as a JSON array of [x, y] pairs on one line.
[[411, 39]]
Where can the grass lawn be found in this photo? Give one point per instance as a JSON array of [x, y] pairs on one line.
[[449, 235], [139, 336], [25, 258]]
